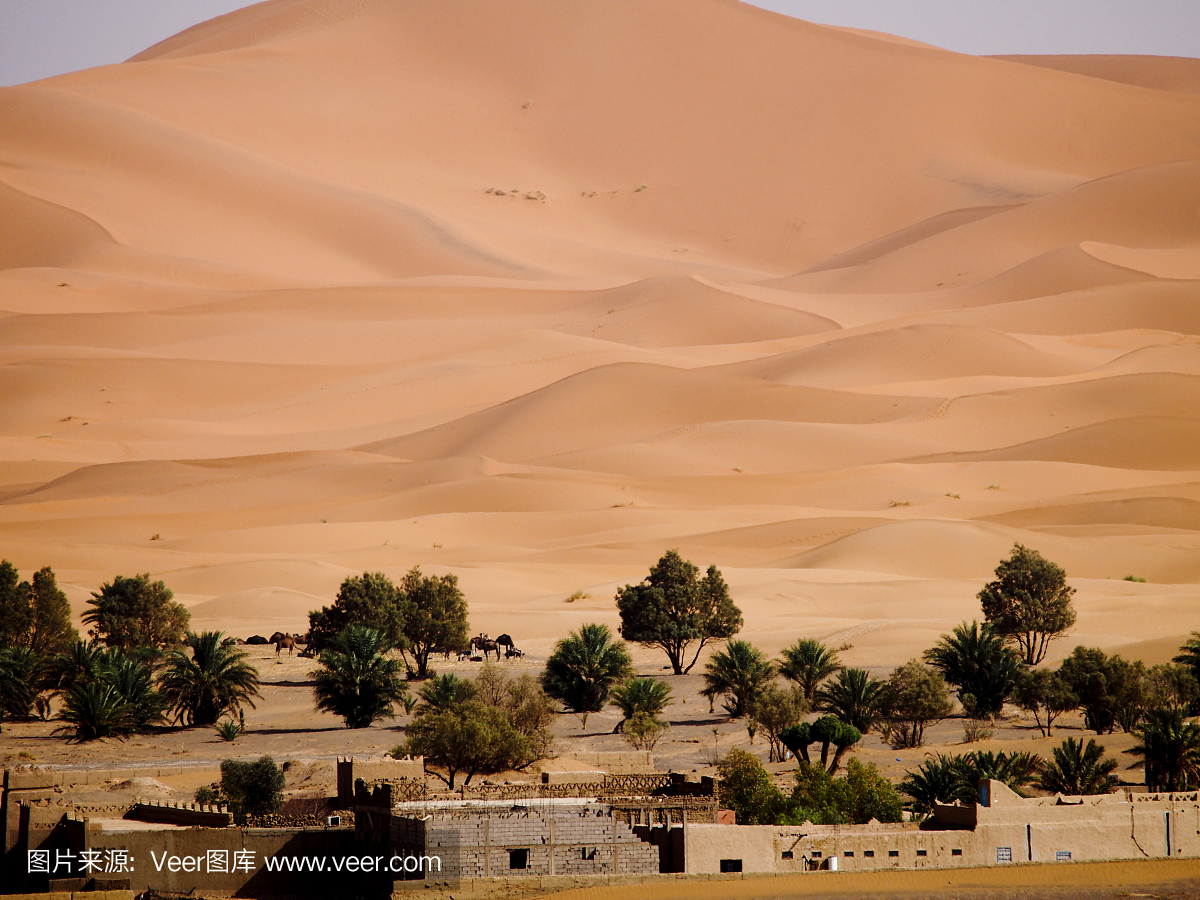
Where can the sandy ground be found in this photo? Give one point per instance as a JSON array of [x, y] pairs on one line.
[[1162, 879], [532, 294]]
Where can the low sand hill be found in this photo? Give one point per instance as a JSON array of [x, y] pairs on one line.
[[531, 292]]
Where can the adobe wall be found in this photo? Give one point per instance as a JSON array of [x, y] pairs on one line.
[[150, 848], [1009, 829], [590, 840]]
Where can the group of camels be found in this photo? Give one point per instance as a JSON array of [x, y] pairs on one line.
[[480, 644]]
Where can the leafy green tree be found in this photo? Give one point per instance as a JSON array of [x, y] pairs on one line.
[[1169, 746], [862, 795], [95, 709], [443, 692], [370, 600], [975, 660], [16, 610], [738, 673], [252, 789], [673, 608], [213, 680], [1109, 688], [469, 738], [808, 663], [435, 617], [1029, 602], [748, 790], [772, 710], [855, 698], [136, 612], [828, 731], [356, 681], [916, 697], [584, 667], [1171, 685], [1047, 695], [522, 699], [1077, 770], [36, 616], [642, 731], [641, 696]]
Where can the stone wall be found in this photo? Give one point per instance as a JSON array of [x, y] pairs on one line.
[[589, 840]]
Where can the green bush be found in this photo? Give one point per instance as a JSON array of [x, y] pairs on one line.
[[252, 789]]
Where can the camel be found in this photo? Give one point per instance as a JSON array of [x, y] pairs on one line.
[[257, 639], [505, 641], [281, 640], [486, 645]]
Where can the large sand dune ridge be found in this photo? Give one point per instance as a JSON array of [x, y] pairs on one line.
[[532, 292]]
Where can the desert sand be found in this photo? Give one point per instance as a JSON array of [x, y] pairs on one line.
[[533, 292]]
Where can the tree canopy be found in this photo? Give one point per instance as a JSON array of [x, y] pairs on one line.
[[35, 615], [1029, 602], [370, 599], [356, 681], [673, 608], [434, 617], [916, 697], [808, 663], [137, 613]]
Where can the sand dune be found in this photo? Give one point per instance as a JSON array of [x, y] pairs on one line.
[[913, 353], [531, 293], [1161, 73]]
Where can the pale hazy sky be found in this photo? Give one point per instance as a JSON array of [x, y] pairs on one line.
[[39, 38]]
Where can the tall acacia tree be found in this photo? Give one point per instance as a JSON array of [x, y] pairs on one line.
[[371, 600], [34, 615], [435, 616], [1029, 602], [134, 613], [674, 608]]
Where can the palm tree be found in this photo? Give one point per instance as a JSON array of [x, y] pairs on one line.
[[855, 698], [356, 681], [640, 696], [1169, 746], [78, 662], [94, 709], [976, 660], [738, 673], [934, 781], [20, 678], [442, 693], [1016, 770], [583, 668], [808, 662], [134, 685], [214, 680], [1078, 770]]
